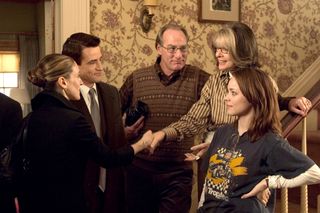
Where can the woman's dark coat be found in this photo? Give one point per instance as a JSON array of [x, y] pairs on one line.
[[59, 143]]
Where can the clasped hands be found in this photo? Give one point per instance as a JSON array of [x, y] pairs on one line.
[[199, 150], [152, 140]]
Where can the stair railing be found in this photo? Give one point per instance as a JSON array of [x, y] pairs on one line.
[[289, 122]]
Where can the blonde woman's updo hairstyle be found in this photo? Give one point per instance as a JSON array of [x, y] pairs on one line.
[[49, 69]]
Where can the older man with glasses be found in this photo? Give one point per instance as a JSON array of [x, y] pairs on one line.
[[162, 182]]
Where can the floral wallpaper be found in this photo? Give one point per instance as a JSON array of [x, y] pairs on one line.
[[287, 31]]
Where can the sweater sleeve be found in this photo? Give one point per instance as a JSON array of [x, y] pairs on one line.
[[284, 102], [311, 176], [207, 114], [288, 166]]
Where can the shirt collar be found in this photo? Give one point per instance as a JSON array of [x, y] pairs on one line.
[[224, 74], [224, 77], [163, 77], [85, 94], [85, 89]]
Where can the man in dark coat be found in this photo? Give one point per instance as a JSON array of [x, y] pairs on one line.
[[104, 189], [10, 121]]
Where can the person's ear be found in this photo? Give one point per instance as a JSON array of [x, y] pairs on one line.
[[159, 49], [62, 82]]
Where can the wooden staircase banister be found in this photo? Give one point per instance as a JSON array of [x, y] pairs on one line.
[[291, 120]]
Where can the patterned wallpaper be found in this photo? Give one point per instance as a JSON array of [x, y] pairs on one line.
[[288, 34]]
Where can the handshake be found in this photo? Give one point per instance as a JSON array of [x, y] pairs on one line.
[[133, 121], [148, 141]]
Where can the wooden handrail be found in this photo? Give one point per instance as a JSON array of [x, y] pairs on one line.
[[291, 120]]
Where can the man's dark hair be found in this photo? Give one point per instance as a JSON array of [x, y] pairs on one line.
[[74, 45]]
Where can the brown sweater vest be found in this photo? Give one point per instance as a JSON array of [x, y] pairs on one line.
[[166, 105]]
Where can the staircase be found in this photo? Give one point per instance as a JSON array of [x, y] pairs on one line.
[[313, 146], [294, 134]]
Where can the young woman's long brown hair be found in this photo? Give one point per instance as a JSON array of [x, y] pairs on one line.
[[257, 87]]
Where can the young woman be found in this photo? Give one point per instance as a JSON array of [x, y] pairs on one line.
[[60, 141], [251, 152]]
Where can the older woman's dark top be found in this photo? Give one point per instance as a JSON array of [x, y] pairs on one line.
[[59, 142]]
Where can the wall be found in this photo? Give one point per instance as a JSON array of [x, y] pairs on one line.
[[17, 17], [287, 31]]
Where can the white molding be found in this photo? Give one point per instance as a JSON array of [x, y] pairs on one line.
[[301, 86], [71, 16], [48, 27], [305, 81]]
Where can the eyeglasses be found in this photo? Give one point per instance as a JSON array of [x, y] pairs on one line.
[[222, 50], [173, 49]]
